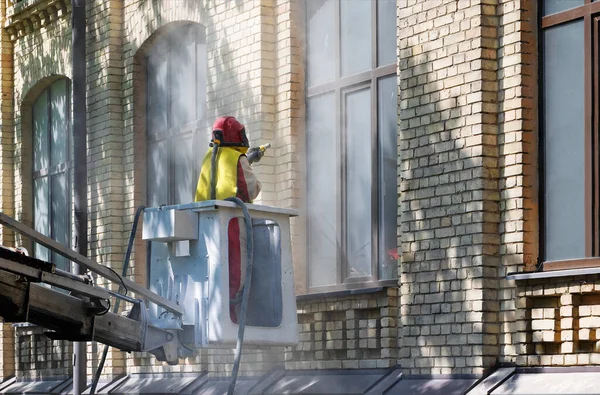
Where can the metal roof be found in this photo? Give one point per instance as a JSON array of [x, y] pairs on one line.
[[503, 381]]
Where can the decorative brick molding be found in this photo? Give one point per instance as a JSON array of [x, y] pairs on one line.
[[38, 357], [558, 322], [354, 332], [25, 17]]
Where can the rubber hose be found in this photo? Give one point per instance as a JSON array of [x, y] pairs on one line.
[[245, 294], [213, 172], [138, 212]]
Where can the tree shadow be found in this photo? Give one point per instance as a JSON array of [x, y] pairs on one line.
[[449, 192]]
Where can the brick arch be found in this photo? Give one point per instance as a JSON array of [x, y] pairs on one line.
[[161, 32], [24, 151]]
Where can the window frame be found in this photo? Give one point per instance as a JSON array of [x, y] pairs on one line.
[[589, 12], [340, 86], [51, 171]]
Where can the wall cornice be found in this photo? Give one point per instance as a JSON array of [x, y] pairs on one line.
[[26, 16]]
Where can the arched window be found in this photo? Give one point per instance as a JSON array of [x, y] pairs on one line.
[[176, 108], [51, 163], [176, 140]]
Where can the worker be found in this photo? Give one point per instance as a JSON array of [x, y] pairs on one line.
[[226, 165]]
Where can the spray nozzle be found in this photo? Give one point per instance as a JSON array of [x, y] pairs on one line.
[[255, 154]]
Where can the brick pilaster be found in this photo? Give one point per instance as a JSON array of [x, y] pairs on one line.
[[449, 186]]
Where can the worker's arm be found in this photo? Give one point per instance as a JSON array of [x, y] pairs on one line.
[[252, 183]]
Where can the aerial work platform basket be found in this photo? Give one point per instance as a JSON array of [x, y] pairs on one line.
[[190, 254]]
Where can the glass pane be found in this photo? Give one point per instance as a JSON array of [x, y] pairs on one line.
[[321, 41], [183, 77], [323, 173], [554, 6], [158, 174], [41, 219], [40, 132], [58, 117], [358, 183], [355, 24], [387, 102], [201, 79], [184, 170], [386, 32], [265, 303], [564, 141], [60, 217], [157, 95]]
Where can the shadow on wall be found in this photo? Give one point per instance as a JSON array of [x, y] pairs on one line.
[[449, 216]]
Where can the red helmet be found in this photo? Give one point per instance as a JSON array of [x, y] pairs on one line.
[[229, 132]]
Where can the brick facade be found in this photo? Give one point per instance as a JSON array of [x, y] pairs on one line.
[[449, 186], [467, 179]]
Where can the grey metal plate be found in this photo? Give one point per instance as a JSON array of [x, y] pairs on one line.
[[551, 383], [164, 384], [220, 386], [432, 386], [325, 382], [494, 380], [35, 387]]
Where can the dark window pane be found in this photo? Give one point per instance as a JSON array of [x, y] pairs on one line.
[[59, 120], [157, 91], [321, 41], [554, 6], [386, 32], [322, 191], [564, 141], [158, 174], [183, 159], [183, 77], [40, 133], [41, 217], [356, 36], [60, 217], [388, 178], [265, 303], [358, 183]]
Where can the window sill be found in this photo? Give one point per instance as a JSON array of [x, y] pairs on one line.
[[553, 274], [358, 289], [561, 268]]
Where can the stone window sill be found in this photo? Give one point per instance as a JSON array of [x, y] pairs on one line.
[[553, 274], [372, 287]]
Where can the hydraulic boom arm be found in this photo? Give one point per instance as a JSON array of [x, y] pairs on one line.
[[83, 314]]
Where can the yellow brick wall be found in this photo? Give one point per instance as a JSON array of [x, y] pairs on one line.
[[517, 72], [467, 74]]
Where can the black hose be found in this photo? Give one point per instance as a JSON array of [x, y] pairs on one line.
[[213, 172], [245, 294], [138, 212]]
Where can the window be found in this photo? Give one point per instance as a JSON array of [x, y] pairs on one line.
[[176, 141], [176, 105], [569, 132], [351, 142], [51, 164]]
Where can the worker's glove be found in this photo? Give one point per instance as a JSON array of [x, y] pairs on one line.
[[255, 154]]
